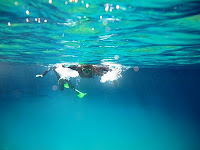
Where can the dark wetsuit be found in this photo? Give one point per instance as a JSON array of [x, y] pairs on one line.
[[96, 70]]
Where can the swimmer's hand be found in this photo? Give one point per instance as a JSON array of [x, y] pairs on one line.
[[39, 75]]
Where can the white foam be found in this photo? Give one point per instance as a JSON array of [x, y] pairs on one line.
[[113, 74], [110, 76], [67, 73]]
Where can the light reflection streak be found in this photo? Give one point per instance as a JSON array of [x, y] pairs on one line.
[[110, 7], [27, 12], [106, 8], [69, 41], [69, 22], [106, 20], [104, 37], [116, 57], [73, 1], [87, 5], [108, 46], [117, 6], [69, 56]]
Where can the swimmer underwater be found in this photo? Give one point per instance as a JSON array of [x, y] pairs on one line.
[[64, 73]]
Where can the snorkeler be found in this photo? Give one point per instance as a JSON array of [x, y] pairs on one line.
[[65, 72]]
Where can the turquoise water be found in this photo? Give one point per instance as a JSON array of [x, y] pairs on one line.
[[156, 32], [154, 107]]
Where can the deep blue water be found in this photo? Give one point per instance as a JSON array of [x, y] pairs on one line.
[[150, 109]]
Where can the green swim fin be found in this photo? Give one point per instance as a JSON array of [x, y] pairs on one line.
[[66, 85], [80, 94]]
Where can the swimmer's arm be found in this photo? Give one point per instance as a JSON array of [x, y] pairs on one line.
[[73, 67], [44, 73], [100, 70]]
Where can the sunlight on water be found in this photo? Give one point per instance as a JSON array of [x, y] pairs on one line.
[[140, 32]]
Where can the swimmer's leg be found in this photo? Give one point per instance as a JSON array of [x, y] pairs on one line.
[[70, 84], [61, 83]]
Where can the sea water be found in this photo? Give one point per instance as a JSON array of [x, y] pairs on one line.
[[155, 105]]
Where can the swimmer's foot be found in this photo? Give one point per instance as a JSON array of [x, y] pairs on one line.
[[80, 94]]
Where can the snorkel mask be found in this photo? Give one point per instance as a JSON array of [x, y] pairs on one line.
[[87, 71]]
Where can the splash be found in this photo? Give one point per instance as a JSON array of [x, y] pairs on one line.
[[66, 73], [113, 74]]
